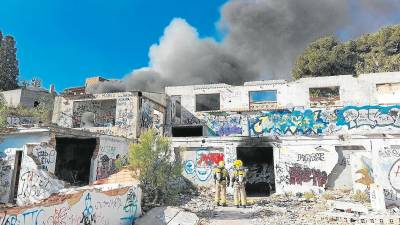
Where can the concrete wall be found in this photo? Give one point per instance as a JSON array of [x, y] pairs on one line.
[[26, 96], [104, 160], [131, 113], [38, 147], [126, 113], [353, 91], [103, 205], [355, 112], [12, 97]]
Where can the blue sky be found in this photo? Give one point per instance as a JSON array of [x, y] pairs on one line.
[[63, 42]]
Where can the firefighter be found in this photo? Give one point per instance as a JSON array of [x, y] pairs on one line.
[[221, 179], [239, 181]]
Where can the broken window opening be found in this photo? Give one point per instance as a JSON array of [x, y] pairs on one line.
[[265, 99], [207, 102], [260, 175], [94, 113], [36, 104], [324, 96], [187, 131], [74, 159]]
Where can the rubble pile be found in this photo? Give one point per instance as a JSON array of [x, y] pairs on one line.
[[329, 208]]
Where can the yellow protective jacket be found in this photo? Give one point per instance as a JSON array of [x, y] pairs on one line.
[[239, 176], [221, 174]]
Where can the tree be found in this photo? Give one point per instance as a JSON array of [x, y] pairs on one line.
[[8, 63], [154, 165], [370, 53]]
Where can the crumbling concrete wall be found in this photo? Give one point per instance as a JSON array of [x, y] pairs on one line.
[[123, 114], [152, 116], [36, 181], [123, 120], [26, 97], [361, 90], [109, 151], [288, 111], [96, 205], [9, 145]]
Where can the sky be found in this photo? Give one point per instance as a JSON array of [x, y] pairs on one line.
[[63, 42]]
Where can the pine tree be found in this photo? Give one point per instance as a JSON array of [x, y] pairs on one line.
[[8, 63]]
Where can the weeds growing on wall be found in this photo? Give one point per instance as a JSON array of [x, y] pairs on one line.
[[156, 168], [41, 113]]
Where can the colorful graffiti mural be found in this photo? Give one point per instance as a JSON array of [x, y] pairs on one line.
[[198, 163], [223, 125], [285, 122], [371, 116], [92, 207]]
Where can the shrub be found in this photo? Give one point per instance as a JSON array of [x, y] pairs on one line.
[[153, 163]]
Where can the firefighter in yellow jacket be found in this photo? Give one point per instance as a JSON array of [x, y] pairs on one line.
[[239, 181], [221, 179]]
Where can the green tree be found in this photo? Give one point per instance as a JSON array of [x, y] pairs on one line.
[[370, 53], [8, 63], [154, 165]]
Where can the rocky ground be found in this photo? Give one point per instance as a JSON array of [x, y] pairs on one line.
[[332, 207], [273, 210]]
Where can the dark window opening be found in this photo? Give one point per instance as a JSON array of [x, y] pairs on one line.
[[260, 175], [207, 102], [36, 104], [15, 178], [195, 131], [74, 159], [94, 113]]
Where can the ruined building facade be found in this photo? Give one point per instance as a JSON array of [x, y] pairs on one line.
[[298, 136]]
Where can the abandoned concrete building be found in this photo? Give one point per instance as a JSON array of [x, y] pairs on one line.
[[27, 96], [293, 136], [298, 136], [121, 114]]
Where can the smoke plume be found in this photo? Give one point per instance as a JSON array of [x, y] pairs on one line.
[[262, 39]]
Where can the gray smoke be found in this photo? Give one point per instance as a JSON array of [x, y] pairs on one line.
[[262, 39]]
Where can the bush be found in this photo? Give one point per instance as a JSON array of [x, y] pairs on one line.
[[154, 165], [360, 196]]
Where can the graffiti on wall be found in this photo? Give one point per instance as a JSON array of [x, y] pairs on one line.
[[151, 117], [261, 174], [34, 183], [370, 116], [223, 124], [46, 157], [386, 169], [285, 122], [112, 150], [130, 207], [198, 163], [20, 120], [302, 174], [92, 207], [304, 168], [6, 161], [94, 113]]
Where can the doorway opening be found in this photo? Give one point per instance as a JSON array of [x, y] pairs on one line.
[[260, 164], [16, 174], [74, 159]]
